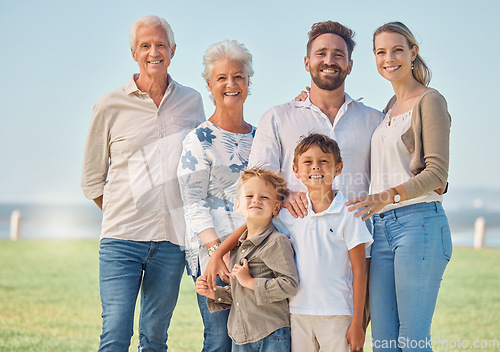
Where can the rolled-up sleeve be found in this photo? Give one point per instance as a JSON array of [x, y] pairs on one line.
[[278, 257], [96, 154], [223, 299]]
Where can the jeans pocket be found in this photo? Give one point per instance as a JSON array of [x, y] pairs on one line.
[[447, 244], [412, 220]]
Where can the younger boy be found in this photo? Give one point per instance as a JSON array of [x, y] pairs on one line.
[[263, 272], [329, 244]]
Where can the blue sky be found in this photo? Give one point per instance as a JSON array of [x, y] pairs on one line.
[[58, 57]]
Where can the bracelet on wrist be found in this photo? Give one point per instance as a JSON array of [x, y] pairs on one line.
[[212, 249]]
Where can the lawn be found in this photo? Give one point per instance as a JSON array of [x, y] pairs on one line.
[[49, 300]]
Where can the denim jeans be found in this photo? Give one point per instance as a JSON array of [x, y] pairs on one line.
[[277, 341], [215, 336], [411, 248], [125, 267]]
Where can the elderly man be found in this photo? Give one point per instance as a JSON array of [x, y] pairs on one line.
[[129, 170]]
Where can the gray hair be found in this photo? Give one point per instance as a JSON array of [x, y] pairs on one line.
[[150, 21], [229, 49]]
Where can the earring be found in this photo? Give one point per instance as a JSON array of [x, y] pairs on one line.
[[412, 65]]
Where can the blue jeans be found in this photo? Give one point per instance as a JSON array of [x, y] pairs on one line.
[[125, 267], [277, 341], [411, 248], [215, 337]]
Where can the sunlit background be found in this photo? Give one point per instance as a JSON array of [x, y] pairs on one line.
[[58, 57]]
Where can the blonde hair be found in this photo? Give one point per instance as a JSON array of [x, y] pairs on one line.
[[420, 71], [274, 179]]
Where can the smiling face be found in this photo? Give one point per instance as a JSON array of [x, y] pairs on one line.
[[257, 200], [394, 56], [328, 62], [317, 169], [228, 83], [152, 51]]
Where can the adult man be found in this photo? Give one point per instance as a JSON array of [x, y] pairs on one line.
[[131, 156], [328, 110]]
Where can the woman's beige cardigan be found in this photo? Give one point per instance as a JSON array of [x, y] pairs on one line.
[[427, 140]]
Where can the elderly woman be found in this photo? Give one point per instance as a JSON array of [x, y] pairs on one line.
[[213, 156], [129, 170], [410, 153]]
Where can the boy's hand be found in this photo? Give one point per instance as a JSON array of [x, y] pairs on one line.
[[242, 274], [355, 336], [203, 289]]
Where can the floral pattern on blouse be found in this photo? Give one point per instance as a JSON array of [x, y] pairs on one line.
[[209, 168]]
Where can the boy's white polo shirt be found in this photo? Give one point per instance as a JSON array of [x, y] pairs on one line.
[[321, 242]]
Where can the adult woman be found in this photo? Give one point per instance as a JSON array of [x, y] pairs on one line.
[[412, 242], [130, 164], [212, 158]]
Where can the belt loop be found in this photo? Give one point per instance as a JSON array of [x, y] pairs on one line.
[[437, 207]]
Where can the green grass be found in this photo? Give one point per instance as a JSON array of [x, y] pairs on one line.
[[49, 299]]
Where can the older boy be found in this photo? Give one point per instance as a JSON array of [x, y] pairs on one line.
[[263, 270], [329, 244]]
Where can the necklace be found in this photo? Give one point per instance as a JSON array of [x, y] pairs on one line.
[[237, 137]]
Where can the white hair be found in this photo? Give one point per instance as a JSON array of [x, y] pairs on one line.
[[151, 21], [229, 49]]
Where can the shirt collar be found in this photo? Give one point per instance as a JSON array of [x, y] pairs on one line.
[[257, 240], [334, 208], [131, 87], [308, 104]]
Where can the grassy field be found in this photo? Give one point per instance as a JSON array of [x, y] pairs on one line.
[[49, 300]]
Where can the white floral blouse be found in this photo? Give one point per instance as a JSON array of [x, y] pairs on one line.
[[208, 170]]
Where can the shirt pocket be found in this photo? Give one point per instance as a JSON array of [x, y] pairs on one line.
[[258, 268]]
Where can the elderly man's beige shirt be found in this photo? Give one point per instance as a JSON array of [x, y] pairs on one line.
[[131, 157]]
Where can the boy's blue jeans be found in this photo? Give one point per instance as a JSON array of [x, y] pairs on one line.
[[278, 341], [411, 248], [124, 268]]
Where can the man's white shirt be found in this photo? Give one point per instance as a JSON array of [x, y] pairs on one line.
[[282, 126]]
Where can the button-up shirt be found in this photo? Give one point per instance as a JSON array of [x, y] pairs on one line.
[[131, 157], [257, 313], [282, 126]]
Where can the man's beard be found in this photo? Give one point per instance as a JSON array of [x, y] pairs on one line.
[[328, 83]]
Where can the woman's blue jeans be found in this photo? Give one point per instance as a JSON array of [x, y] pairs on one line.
[[125, 267], [411, 248], [215, 336]]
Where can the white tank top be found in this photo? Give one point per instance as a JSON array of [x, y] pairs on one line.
[[390, 160]]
